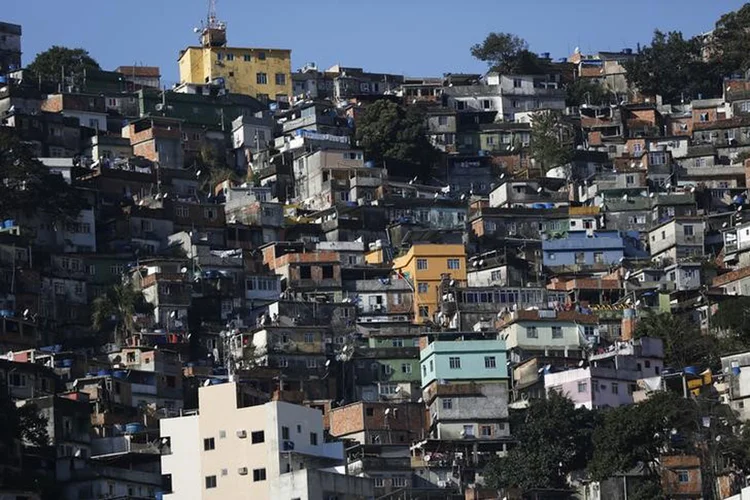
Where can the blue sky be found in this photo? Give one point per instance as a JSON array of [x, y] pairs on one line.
[[413, 37]]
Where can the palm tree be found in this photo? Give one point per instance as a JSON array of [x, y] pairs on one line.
[[118, 305]]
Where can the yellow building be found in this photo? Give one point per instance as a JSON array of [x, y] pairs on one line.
[[258, 72], [428, 266]]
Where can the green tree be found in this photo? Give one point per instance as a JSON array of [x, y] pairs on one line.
[[635, 435], [684, 344], [50, 64], [388, 132], [29, 187], [729, 44], [25, 426], [674, 68], [586, 91], [554, 439], [507, 53], [551, 140], [116, 309]]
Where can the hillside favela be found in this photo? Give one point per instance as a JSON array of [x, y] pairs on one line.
[[247, 276]]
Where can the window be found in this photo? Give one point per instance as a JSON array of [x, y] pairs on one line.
[[583, 386], [312, 363], [454, 362], [210, 482], [486, 104], [327, 272], [209, 444], [468, 431], [388, 389], [703, 117], [314, 439], [442, 120], [517, 82], [688, 230], [421, 264], [257, 437], [405, 368], [485, 430], [261, 78], [259, 475], [309, 337], [598, 257], [222, 434], [247, 58], [615, 388], [305, 272], [280, 79], [424, 312], [557, 332], [398, 482], [454, 264], [447, 404], [220, 56], [531, 332], [397, 342], [647, 363], [423, 287], [490, 362], [182, 211], [369, 412], [683, 476], [378, 482], [285, 433], [261, 56]]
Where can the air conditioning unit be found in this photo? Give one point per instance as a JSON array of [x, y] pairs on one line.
[[242, 434], [242, 471]]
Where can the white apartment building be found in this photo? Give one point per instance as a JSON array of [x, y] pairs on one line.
[[227, 451]]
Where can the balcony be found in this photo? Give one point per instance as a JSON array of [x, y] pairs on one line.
[[152, 279], [445, 390], [313, 284]]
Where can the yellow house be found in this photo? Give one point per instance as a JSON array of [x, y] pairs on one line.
[[427, 266], [258, 72]]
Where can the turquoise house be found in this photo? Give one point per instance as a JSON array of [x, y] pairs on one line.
[[464, 360]]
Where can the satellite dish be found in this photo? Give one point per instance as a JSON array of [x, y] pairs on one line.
[[398, 389], [387, 411], [9, 356], [539, 189], [207, 382], [627, 275], [328, 362], [427, 458], [184, 270], [26, 312], [196, 29], [198, 173], [173, 314]]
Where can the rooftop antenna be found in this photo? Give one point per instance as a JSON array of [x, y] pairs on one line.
[[213, 33]]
